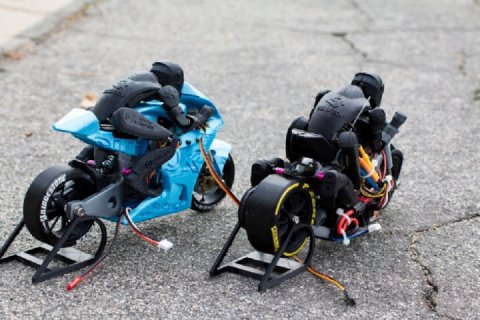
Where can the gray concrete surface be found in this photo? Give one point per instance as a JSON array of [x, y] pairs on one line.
[[27, 22], [262, 63]]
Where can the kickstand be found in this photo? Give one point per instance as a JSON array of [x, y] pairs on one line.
[[271, 270], [74, 258]]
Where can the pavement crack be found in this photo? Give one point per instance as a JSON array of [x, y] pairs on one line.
[[431, 289], [450, 222], [476, 95], [361, 10], [344, 37]]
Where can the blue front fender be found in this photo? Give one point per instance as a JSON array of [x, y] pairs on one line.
[[220, 151]]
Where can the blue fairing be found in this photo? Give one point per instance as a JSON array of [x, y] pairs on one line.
[[180, 173]]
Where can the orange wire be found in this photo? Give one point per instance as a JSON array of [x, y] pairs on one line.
[[215, 175]]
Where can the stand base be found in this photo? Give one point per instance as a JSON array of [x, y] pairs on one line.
[[255, 264], [270, 269], [73, 258], [65, 255]]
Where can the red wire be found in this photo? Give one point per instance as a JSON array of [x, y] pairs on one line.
[[343, 223], [138, 232], [72, 284]]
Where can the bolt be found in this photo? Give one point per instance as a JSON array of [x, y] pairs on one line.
[[79, 211]]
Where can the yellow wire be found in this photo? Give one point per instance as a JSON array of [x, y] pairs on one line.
[[321, 275], [379, 194]]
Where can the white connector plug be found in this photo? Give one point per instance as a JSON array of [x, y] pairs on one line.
[[165, 245], [374, 227]]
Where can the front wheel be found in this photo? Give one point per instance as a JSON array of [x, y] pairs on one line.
[[207, 193], [45, 201]]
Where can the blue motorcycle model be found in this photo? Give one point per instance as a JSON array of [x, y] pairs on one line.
[[142, 159]]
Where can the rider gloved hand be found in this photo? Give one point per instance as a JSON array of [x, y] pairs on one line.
[[170, 98]]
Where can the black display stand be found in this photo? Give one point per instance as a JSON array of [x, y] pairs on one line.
[[73, 258], [271, 270]]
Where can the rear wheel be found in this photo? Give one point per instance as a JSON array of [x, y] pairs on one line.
[[270, 211], [45, 201], [207, 193]]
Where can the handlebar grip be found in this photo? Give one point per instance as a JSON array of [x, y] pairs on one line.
[[199, 118], [398, 119], [206, 112], [391, 129]]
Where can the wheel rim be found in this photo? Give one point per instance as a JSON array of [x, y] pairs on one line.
[[56, 223], [206, 190], [296, 208]]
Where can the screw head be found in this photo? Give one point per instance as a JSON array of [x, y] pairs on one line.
[[79, 211]]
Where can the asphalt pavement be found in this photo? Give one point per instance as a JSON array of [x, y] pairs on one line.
[[262, 63]]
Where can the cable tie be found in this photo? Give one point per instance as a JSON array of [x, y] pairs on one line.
[[345, 241], [369, 174], [342, 213]]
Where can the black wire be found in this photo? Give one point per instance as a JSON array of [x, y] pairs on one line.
[[348, 299], [109, 250]]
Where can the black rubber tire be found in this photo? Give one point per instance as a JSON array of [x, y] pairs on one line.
[[210, 200], [40, 209], [272, 208]]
